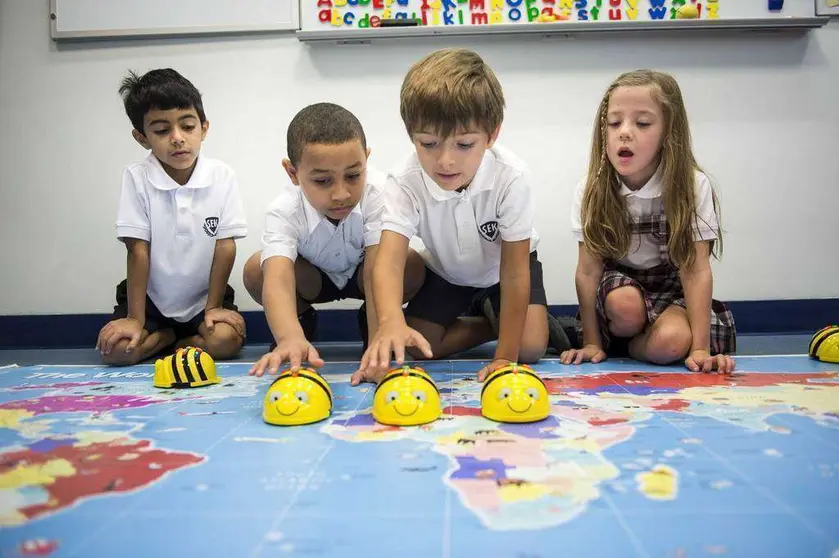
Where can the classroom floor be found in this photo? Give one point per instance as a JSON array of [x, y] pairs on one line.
[[635, 460]]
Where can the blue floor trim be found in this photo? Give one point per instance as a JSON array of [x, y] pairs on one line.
[[79, 330]]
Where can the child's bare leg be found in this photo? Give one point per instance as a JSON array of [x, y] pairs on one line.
[[534, 340], [307, 281], [222, 343], [414, 275], [666, 341], [626, 312], [465, 333], [252, 277], [150, 344]]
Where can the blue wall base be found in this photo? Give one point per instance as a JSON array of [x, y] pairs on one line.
[[64, 331]]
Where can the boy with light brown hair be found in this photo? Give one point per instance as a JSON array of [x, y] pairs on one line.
[[469, 201]]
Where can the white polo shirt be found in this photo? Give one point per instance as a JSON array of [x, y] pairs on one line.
[[182, 223], [643, 250], [462, 231], [293, 227]]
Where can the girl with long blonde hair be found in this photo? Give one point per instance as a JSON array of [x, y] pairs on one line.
[[646, 219]]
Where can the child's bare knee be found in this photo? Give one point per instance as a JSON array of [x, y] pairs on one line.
[[668, 343], [252, 276], [223, 342], [414, 275], [626, 312], [118, 356], [532, 352]]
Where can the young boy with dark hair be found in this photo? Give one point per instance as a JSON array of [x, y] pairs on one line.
[[179, 216], [321, 235]]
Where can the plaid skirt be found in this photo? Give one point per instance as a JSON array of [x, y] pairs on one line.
[[660, 287]]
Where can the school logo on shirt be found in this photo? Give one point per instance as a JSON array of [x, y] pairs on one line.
[[211, 226], [489, 230]]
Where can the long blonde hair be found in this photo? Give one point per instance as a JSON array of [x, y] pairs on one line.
[[606, 223]]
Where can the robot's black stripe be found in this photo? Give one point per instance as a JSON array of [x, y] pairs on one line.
[[316, 379], [827, 335], [400, 373], [519, 370], [198, 366], [190, 377]]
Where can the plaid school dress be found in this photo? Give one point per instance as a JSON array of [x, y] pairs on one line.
[[660, 287]]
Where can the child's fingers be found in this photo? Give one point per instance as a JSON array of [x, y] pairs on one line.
[[135, 341], [258, 369], [398, 352], [419, 341], [112, 340], [579, 357], [276, 359], [295, 359], [691, 365], [365, 358], [314, 358]]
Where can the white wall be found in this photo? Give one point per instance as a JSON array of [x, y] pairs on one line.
[[763, 107]]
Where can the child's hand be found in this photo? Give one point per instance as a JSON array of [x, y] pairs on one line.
[[700, 360], [390, 337], [589, 353], [492, 367], [295, 351], [215, 316], [116, 330]]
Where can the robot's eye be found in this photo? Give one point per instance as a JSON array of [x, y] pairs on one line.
[[419, 395], [504, 393], [302, 396], [275, 397], [533, 393], [391, 396]]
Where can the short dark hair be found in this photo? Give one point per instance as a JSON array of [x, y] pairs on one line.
[[161, 89], [325, 123]]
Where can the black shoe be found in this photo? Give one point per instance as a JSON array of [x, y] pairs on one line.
[[562, 333], [309, 323], [361, 317]]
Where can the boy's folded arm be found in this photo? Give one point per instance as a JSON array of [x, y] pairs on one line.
[[223, 258], [138, 278], [279, 298], [587, 279], [515, 297]]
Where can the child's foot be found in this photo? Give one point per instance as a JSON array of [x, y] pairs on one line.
[[309, 323]]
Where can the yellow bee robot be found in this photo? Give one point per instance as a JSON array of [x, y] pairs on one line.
[[515, 393], [189, 367], [824, 345], [296, 398], [406, 396]]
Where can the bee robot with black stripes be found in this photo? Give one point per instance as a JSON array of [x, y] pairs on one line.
[[824, 345], [406, 396], [189, 367], [515, 393], [296, 398]]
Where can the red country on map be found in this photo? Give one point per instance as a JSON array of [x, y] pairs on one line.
[[116, 466]]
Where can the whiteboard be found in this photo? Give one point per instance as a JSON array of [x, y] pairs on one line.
[[75, 19], [348, 15]]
